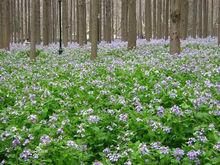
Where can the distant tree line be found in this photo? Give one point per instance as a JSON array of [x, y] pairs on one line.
[[106, 20]]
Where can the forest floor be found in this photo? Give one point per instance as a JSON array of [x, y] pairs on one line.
[[129, 107]]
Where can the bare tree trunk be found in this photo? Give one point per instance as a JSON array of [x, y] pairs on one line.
[[33, 30], [132, 28], [194, 19], [159, 20], [200, 18], [219, 22], [167, 19], [1, 24], [154, 19], [148, 20], [205, 34], [124, 20], [95, 8], [65, 22], [82, 22], [107, 21], [184, 18], [175, 27], [140, 27], [46, 22]]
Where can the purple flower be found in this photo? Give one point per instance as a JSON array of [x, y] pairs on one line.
[[160, 111], [164, 150], [72, 144], [143, 149], [93, 119], [191, 141], [217, 146], [123, 117], [193, 155], [25, 154], [45, 139], [32, 118], [176, 110], [16, 142], [178, 153], [97, 163]]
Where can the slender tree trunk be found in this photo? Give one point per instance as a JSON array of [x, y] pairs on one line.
[[175, 27], [1, 24], [159, 20], [82, 22], [154, 19], [184, 18], [95, 8], [140, 35], [167, 19], [107, 21], [132, 31], [200, 18], [205, 19], [124, 20], [33, 30], [148, 19], [46, 22], [65, 22], [219, 22], [194, 19]]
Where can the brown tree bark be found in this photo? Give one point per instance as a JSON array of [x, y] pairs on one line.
[[132, 31], [219, 22], [124, 20], [65, 22], [95, 8], [194, 19], [154, 19], [200, 24], [140, 27], [33, 30], [167, 19], [46, 22], [148, 20], [82, 22], [175, 27], [107, 21], [159, 20]]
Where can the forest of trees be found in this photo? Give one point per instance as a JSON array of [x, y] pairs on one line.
[[38, 21]]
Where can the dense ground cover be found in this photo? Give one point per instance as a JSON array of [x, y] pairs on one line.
[[129, 107]]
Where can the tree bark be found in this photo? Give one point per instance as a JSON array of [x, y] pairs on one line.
[[219, 22], [107, 21], [200, 18], [65, 22], [33, 30], [167, 19], [194, 19], [124, 20], [159, 20], [82, 22], [148, 20], [95, 8], [175, 27], [132, 31]]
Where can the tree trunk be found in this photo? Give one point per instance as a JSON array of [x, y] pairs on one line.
[[154, 19], [205, 34], [159, 20], [148, 19], [107, 21], [124, 20], [82, 22], [200, 18], [132, 31], [65, 22], [33, 30], [184, 18], [219, 22], [46, 22], [167, 19], [140, 31], [175, 27], [194, 19], [95, 8]]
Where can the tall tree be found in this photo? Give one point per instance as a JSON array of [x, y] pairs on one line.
[[124, 20], [219, 22], [148, 20], [194, 19], [82, 22], [33, 30], [107, 20], [159, 20], [132, 28], [65, 22], [184, 18], [95, 8], [154, 19], [200, 18], [1, 25], [175, 27], [205, 19], [140, 27], [167, 19], [46, 22]]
